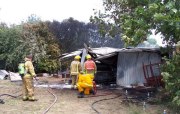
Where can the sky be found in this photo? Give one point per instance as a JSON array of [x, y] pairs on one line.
[[15, 11]]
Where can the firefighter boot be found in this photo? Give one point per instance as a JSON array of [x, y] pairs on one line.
[[25, 98], [32, 99], [81, 95]]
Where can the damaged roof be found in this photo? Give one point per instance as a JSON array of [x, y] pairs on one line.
[[105, 52]]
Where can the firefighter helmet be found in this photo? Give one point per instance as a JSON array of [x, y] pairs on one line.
[[77, 57], [88, 56]]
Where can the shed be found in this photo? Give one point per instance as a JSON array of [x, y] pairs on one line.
[[121, 66], [130, 65]]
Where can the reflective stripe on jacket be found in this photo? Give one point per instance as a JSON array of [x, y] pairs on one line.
[[75, 67]]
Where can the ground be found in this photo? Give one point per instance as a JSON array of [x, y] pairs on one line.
[[67, 101]]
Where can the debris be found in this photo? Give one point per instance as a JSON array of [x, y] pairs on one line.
[[3, 74], [1, 101], [14, 76]]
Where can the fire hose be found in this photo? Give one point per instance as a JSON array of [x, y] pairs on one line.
[[55, 100], [13, 96], [142, 99], [92, 105], [5, 94]]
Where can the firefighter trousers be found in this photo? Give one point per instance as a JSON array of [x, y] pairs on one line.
[[28, 88], [84, 87]]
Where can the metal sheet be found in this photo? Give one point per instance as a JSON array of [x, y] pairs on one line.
[[129, 66]]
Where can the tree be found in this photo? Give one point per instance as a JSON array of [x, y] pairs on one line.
[[70, 33], [95, 39], [33, 19], [40, 42], [10, 46], [136, 20]]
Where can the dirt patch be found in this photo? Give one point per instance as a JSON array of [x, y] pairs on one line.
[[67, 101]]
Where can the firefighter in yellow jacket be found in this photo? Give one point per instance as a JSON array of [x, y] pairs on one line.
[[85, 84], [75, 68], [28, 86]]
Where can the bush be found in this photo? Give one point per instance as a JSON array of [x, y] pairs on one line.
[[171, 77]]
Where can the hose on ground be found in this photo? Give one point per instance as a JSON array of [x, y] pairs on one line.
[[5, 94], [98, 95], [55, 100], [92, 105], [10, 95]]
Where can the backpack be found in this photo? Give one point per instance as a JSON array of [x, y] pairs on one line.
[[21, 69]]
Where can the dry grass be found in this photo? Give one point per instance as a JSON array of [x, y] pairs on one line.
[[67, 102]]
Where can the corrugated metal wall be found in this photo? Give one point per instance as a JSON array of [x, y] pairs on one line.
[[129, 66]]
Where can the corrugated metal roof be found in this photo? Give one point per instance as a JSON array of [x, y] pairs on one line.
[[108, 51], [104, 50], [72, 54]]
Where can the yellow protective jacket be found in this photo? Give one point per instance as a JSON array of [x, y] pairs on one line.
[[75, 67], [86, 79], [85, 83], [29, 68]]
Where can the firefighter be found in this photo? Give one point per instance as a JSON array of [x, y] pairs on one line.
[[28, 86], [90, 66], [85, 84], [75, 69]]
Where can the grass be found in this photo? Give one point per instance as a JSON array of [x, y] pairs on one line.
[[149, 109]]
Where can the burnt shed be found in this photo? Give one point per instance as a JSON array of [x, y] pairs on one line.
[[119, 66]]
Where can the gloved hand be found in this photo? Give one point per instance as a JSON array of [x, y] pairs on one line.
[[35, 77]]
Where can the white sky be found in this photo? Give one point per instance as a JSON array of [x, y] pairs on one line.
[[15, 11]]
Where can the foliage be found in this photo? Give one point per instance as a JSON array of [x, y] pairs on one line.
[[10, 46], [171, 71], [72, 35], [45, 39], [97, 40], [47, 65], [137, 19], [33, 38], [42, 45], [33, 19]]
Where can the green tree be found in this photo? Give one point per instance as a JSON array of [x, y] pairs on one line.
[[172, 78], [11, 51], [42, 45], [136, 20]]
